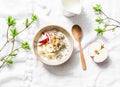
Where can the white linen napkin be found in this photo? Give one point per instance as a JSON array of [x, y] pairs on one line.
[[28, 71]]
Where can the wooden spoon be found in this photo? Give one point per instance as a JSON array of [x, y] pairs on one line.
[[77, 32]]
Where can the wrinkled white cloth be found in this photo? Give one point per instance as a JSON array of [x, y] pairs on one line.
[[28, 71]]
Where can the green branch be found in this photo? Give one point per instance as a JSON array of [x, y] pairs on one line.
[[11, 22], [100, 20]]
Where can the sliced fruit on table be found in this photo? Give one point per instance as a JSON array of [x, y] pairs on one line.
[[98, 52]]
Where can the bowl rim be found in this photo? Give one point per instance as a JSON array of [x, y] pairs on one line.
[[47, 28], [70, 11]]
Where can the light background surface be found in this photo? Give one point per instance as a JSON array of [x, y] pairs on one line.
[[27, 71]]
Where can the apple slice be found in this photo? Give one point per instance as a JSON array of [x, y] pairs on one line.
[[98, 52]]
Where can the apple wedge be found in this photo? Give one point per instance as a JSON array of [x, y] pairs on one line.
[[98, 52]]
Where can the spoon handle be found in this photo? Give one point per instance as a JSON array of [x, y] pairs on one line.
[[82, 57]]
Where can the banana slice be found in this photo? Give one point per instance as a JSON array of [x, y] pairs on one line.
[[49, 48]]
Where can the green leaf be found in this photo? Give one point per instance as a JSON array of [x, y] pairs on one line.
[[13, 54], [99, 20], [34, 17], [99, 31], [11, 21], [105, 25], [25, 45], [14, 32], [27, 22], [113, 29], [9, 61], [97, 8]]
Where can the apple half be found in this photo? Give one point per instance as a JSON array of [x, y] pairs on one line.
[[98, 52]]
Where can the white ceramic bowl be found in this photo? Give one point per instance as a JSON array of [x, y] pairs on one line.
[[71, 7], [48, 28]]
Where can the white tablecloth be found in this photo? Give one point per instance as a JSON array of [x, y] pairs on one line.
[[27, 71]]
